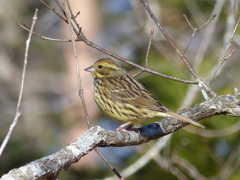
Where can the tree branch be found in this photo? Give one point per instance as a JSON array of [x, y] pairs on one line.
[[98, 137], [18, 112]]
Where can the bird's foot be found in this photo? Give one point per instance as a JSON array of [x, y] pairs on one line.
[[124, 125]]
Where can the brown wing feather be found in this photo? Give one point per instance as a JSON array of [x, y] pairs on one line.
[[129, 90]]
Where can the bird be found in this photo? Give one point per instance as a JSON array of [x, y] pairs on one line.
[[122, 98]]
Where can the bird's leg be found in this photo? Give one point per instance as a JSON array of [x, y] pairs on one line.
[[129, 127], [124, 125]]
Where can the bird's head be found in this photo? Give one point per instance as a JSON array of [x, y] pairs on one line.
[[105, 67]]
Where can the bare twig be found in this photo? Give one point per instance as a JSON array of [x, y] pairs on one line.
[[231, 164], [168, 165], [40, 36], [53, 10], [149, 45], [187, 166], [207, 36], [148, 49], [220, 132], [18, 112], [74, 20], [235, 7], [157, 44], [150, 154], [145, 4], [223, 59], [206, 23], [204, 87], [80, 90], [81, 37], [142, 69], [230, 25], [195, 29]]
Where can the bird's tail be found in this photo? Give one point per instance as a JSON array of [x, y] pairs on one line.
[[174, 115]]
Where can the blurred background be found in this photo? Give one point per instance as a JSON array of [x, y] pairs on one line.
[[52, 111]]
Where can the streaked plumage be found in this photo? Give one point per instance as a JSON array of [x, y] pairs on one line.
[[122, 98]]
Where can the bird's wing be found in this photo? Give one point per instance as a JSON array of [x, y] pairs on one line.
[[129, 90]]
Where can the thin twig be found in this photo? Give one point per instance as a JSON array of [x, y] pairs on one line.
[[195, 29], [231, 164], [206, 23], [223, 59], [149, 45], [185, 17], [230, 25], [148, 49], [157, 44], [207, 37], [219, 132], [188, 167], [168, 165], [205, 88], [77, 30], [81, 37], [53, 10], [80, 90], [69, 15], [73, 18], [142, 69], [141, 162], [145, 4], [42, 37], [18, 112]]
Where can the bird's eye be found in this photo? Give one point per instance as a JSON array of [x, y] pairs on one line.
[[100, 66]]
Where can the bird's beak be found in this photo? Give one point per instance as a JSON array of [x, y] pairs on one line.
[[90, 69]]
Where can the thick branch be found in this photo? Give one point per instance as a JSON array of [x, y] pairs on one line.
[[98, 137]]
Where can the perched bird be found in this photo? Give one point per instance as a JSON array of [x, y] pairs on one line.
[[124, 99]]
